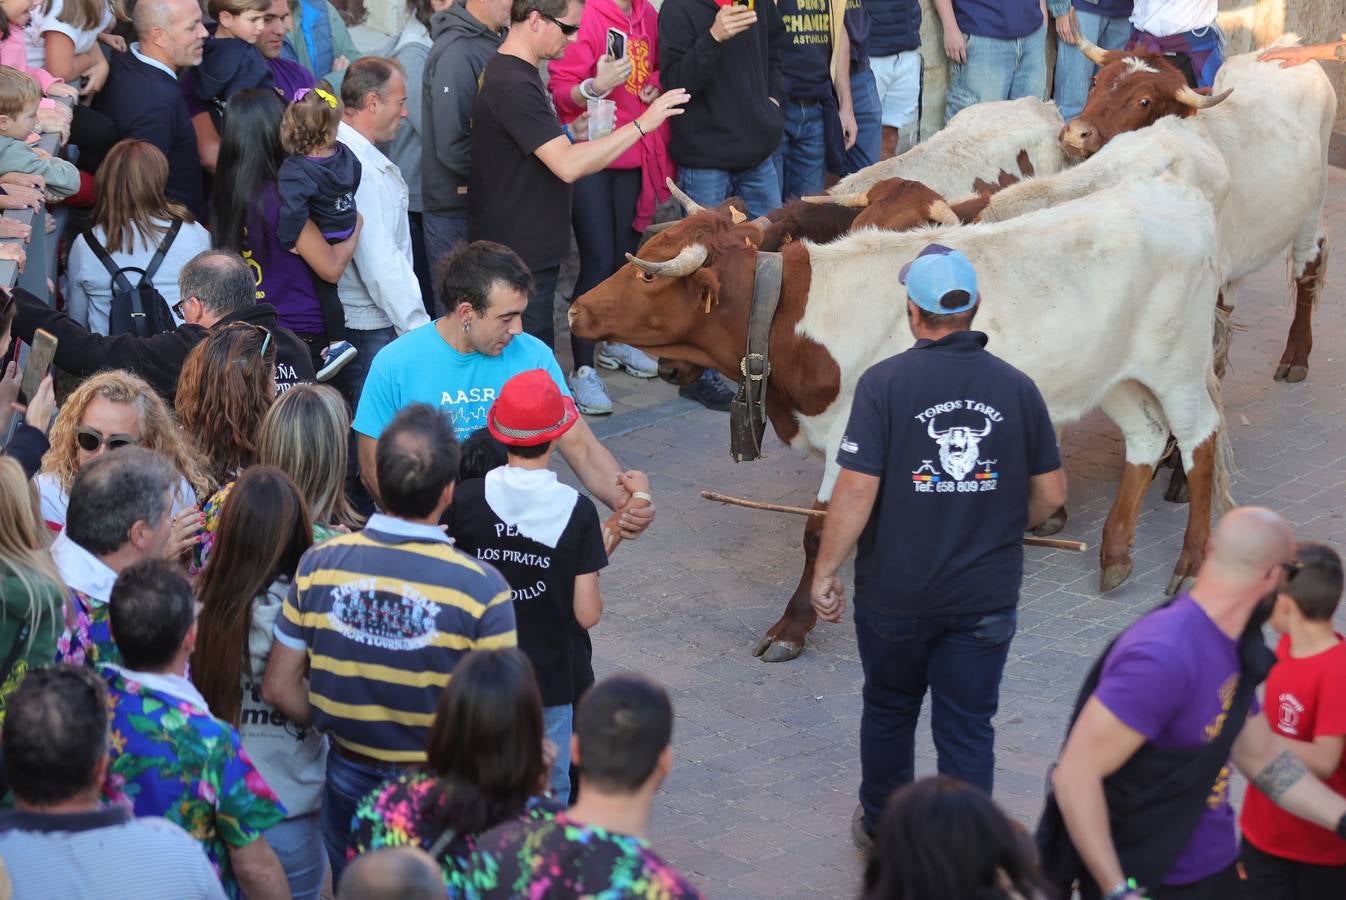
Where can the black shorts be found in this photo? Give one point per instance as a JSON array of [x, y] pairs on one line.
[[1267, 877]]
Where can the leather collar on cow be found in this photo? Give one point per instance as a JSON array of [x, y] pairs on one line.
[[747, 414]]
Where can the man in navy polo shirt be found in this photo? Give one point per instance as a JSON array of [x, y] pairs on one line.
[[997, 50], [949, 455]]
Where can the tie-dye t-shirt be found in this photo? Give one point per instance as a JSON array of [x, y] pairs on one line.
[[553, 857]]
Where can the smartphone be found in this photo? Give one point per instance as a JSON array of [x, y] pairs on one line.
[[35, 367], [616, 43]]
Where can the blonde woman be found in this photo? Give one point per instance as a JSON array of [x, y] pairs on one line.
[[111, 410], [30, 587], [304, 435]]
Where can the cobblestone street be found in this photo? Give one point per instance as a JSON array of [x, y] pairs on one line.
[[766, 755]]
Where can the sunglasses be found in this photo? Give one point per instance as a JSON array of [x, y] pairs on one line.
[[90, 440], [178, 307], [566, 28]]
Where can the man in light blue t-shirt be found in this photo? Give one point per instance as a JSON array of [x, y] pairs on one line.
[[460, 361]]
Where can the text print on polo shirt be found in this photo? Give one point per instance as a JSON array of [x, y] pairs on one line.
[[401, 621], [961, 447], [466, 409]]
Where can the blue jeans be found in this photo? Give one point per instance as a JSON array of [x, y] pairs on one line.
[[998, 69], [1073, 69], [442, 234], [557, 722], [757, 187], [351, 382], [348, 782], [959, 658], [539, 316], [298, 845], [868, 120], [800, 156], [420, 263]]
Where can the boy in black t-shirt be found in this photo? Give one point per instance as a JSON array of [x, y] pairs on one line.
[[544, 537]]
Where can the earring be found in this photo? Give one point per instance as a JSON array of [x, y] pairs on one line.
[[467, 325]]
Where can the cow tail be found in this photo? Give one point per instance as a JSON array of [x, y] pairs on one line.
[[1223, 339], [1223, 465]]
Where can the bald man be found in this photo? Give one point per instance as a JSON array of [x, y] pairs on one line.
[[407, 873], [1141, 791], [143, 97]]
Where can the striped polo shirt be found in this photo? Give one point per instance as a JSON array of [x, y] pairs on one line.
[[384, 615]]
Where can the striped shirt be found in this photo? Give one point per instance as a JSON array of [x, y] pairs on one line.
[[104, 853], [384, 615]]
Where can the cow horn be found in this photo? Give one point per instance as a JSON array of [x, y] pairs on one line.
[[688, 260], [737, 215], [689, 205], [1096, 54], [1189, 97], [858, 200], [942, 213]]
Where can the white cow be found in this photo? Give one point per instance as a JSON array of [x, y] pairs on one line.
[[1116, 310], [989, 143], [1269, 125]]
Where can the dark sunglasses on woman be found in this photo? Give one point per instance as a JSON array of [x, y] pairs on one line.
[[90, 439]]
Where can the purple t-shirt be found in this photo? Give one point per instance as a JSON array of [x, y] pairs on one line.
[[290, 76], [283, 278], [1172, 677]]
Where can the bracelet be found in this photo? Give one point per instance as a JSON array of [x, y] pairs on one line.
[[586, 90], [1124, 889], [636, 122], [642, 495]]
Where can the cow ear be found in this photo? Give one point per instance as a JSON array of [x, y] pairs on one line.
[[706, 285]]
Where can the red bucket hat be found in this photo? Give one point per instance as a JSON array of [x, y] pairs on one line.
[[531, 410]]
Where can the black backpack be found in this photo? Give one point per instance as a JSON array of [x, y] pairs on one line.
[[140, 310]]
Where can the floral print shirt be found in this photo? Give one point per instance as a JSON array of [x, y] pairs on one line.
[[205, 541], [401, 813], [87, 640], [170, 757], [552, 857]]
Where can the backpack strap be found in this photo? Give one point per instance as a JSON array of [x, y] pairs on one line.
[[119, 282], [158, 258]]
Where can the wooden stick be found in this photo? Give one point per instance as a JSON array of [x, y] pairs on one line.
[[1029, 539]]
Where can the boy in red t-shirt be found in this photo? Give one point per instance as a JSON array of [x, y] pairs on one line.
[[1284, 857]]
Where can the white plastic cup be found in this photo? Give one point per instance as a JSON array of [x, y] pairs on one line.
[[602, 116]]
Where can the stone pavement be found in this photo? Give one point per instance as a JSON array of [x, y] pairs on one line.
[[766, 755]]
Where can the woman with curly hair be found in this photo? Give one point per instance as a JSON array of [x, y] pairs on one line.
[[110, 410], [263, 531], [228, 382], [304, 435]]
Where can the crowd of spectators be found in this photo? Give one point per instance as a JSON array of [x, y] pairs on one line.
[[263, 634]]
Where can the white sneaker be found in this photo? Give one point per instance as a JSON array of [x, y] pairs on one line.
[[624, 356], [591, 394]]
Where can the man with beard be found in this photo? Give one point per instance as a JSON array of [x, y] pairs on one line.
[[1142, 785]]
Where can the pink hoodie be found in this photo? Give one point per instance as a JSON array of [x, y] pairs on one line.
[[14, 53], [650, 154]]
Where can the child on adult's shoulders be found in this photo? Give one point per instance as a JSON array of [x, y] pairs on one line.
[[1305, 702]]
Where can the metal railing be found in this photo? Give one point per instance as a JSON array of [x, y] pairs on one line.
[[41, 247]]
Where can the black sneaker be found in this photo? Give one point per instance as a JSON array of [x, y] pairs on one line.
[[709, 390]]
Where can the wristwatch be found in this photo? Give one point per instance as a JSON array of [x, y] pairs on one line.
[[1124, 889], [1340, 52]]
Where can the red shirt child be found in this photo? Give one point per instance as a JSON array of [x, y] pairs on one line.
[[1305, 703]]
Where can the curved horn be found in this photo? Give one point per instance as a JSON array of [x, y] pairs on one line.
[[985, 431], [857, 200], [1096, 54], [930, 429], [942, 213], [688, 204], [688, 260], [1189, 97], [737, 216]]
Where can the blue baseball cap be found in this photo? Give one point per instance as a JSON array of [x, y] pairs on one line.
[[940, 280]]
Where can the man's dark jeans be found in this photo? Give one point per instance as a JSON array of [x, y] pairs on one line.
[[960, 659]]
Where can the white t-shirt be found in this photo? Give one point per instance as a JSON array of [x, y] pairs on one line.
[[1162, 18], [55, 501], [35, 32]]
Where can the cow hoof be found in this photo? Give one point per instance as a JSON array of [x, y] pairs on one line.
[[770, 649], [1177, 491], [1282, 370], [1179, 583], [1296, 374], [1050, 525], [1113, 576]]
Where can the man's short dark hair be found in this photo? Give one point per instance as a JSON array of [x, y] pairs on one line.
[[623, 724], [520, 9], [417, 457], [1316, 585], [151, 610], [55, 733], [113, 492], [951, 321], [368, 74], [221, 280], [468, 273]]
